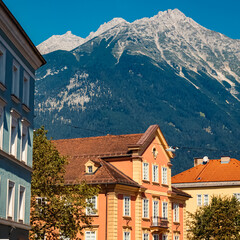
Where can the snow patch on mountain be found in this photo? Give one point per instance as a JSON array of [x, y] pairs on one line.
[[51, 72], [67, 41]]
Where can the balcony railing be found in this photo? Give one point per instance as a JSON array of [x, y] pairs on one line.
[[159, 222]]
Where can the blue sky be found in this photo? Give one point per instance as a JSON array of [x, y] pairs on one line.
[[42, 19]]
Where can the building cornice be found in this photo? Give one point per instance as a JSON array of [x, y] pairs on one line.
[[15, 224], [15, 160], [19, 38], [206, 184]]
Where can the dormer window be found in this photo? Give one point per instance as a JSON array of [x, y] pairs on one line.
[[154, 152], [90, 169]]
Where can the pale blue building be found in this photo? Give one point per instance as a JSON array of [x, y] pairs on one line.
[[19, 59]]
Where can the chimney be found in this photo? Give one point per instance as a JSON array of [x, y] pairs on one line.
[[198, 161], [225, 159]]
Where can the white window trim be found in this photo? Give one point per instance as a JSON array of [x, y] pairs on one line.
[[155, 235], [155, 178], [237, 196], [3, 61], [15, 81], [164, 175], [89, 211], [176, 212], [12, 200], [26, 88], [147, 236], [95, 235], [164, 237], [165, 213], [14, 115], [206, 199], [146, 165], [199, 197], [21, 218], [124, 205], [124, 237], [24, 154], [145, 199], [2, 113]]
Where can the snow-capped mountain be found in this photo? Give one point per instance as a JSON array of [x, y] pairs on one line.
[[67, 41], [166, 69]]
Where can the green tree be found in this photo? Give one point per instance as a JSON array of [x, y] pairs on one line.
[[57, 210], [218, 220]]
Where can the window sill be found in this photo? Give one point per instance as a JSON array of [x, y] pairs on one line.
[[26, 108], [146, 181], [176, 223], [15, 98], [2, 87], [165, 185], [156, 183], [92, 215], [146, 219], [127, 217]]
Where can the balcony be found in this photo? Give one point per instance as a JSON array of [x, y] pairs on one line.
[[159, 223]]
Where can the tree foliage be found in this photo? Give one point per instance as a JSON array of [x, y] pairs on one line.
[[219, 220], [57, 210]]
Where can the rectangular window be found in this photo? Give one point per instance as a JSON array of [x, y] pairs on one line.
[[155, 237], [176, 237], [155, 212], [21, 206], [90, 235], [126, 235], [237, 195], [14, 134], [126, 206], [164, 237], [165, 210], [90, 169], [92, 210], [26, 89], [199, 200], [206, 199], [10, 199], [15, 78], [1, 125], [164, 175], [2, 64], [175, 212], [145, 171], [145, 236], [24, 143], [155, 173], [145, 208]]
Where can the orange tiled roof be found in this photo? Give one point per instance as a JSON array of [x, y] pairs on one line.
[[213, 171], [108, 145]]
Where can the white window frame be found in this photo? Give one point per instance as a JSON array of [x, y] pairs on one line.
[[165, 210], [176, 237], [146, 171], [10, 200], [237, 196], [145, 236], [164, 176], [205, 199], [145, 208], [26, 88], [175, 212], [155, 173], [126, 206], [21, 203], [155, 237], [164, 237], [92, 210], [15, 78], [92, 235], [155, 211], [24, 141], [2, 64], [199, 199], [90, 169], [126, 235], [2, 112], [14, 135]]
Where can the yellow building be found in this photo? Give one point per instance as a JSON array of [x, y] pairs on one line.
[[208, 178]]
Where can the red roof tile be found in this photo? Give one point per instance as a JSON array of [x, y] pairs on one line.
[[213, 171]]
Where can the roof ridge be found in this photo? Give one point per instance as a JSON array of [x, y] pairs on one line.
[[104, 163]]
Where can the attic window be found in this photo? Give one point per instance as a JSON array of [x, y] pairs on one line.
[[90, 169], [154, 152]]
